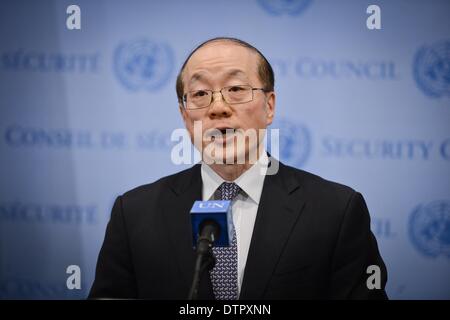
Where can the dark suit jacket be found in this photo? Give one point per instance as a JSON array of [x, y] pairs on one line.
[[311, 240]]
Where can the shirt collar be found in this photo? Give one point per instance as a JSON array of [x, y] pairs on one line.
[[251, 181]]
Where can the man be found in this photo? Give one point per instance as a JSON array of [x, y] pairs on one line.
[[296, 235]]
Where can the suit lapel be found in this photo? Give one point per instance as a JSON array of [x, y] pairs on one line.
[[184, 190], [278, 212]]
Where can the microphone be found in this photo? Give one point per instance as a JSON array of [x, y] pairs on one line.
[[212, 219], [209, 232], [211, 226]]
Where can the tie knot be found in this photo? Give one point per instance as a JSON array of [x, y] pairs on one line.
[[228, 190]]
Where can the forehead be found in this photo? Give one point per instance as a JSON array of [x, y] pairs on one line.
[[220, 60]]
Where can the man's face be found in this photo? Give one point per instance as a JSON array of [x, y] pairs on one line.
[[217, 65]]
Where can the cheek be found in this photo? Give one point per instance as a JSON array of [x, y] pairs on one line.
[[190, 119], [195, 124], [255, 116]]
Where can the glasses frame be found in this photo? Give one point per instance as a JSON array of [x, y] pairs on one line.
[[223, 98]]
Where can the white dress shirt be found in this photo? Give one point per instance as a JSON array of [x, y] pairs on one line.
[[244, 206]]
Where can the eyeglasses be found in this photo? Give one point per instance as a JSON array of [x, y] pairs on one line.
[[199, 99]]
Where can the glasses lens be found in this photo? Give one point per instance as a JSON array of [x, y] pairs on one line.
[[198, 99], [237, 94]]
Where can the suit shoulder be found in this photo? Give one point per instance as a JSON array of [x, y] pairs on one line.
[[159, 185], [328, 199], [316, 184]]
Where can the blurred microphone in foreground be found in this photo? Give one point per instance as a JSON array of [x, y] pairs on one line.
[[211, 221]]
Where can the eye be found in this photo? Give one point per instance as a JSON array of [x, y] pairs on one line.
[[235, 89], [199, 93]]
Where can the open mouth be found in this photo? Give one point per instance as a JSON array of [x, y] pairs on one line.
[[227, 130], [226, 133]]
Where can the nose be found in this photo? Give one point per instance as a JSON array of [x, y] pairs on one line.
[[219, 108]]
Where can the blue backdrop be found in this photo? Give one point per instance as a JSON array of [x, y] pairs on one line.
[[87, 114]]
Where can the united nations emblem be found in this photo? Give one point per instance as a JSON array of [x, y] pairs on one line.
[[429, 228], [143, 64], [295, 142], [432, 69], [280, 7]]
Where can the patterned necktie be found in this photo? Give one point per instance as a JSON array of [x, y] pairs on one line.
[[224, 275]]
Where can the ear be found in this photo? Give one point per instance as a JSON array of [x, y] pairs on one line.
[[270, 107]]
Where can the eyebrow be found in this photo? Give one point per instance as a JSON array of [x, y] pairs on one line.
[[236, 72], [198, 76]]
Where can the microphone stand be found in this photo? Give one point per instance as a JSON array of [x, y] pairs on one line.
[[205, 261]]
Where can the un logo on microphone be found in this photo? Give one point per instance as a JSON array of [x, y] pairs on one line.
[[143, 64], [280, 7], [429, 228], [295, 142], [432, 69]]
